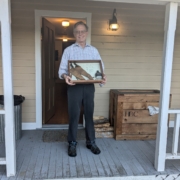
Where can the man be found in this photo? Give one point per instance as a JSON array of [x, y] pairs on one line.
[[80, 93]]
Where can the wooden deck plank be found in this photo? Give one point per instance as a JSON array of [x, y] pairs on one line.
[[170, 168], [66, 172], [32, 163], [21, 151], [137, 170], [52, 161], [31, 141], [128, 157], [36, 148], [144, 161], [92, 165], [46, 159], [79, 164], [19, 148], [149, 153], [103, 160], [39, 162], [83, 154], [118, 164], [151, 144], [19, 158], [120, 155], [72, 167], [96, 158], [137, 167], [106, 154], [59, 162], [176, 164]]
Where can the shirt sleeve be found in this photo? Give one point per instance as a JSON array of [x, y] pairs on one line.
[[97, 56], [63, 68]]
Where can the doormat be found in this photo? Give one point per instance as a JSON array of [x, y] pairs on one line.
[[61, 135]]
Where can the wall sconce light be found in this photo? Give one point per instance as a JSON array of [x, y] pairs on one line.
[[65, 23], [113, 25]]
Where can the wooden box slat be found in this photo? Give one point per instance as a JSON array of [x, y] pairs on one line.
[[135, 91], [135, 99], [139, 129], [135, 137], [139, 105], [138, 116]]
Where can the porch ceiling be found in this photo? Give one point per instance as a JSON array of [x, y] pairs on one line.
[[160, 2]]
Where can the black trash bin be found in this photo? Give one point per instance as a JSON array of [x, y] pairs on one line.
[[18, 100]]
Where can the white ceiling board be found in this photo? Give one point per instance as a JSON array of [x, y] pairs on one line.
[[160, 2]]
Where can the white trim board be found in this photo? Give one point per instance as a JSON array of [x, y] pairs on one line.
[[7, 75], [28, 126], [38, 16], [166, 76]]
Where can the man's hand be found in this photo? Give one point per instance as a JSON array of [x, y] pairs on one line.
[[68, 80], [104, 80]]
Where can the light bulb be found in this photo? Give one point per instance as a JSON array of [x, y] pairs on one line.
[[114, 27], [65, 23], [65, 40]]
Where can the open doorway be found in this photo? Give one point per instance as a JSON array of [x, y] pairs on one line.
[[54, 90]]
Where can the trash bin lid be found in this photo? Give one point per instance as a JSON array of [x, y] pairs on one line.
[[18, 99]]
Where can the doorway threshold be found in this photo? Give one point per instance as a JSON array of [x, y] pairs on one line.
[[57, 126]]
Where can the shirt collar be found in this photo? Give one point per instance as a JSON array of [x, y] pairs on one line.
[[76, 44]]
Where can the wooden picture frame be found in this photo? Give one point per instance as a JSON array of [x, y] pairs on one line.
[[85, 71]]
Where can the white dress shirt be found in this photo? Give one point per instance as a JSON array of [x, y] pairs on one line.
[[76, 52]]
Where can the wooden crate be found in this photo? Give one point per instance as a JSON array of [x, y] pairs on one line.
[[129, 115]]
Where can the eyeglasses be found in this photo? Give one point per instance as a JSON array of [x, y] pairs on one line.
[[80, 32]]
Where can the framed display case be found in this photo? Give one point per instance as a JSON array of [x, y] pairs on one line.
[[85, 71]]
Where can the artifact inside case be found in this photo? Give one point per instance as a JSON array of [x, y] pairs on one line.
[[85, 71]]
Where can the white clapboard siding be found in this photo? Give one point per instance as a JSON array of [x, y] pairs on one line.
[[132, 55], [29, 109], [19, 76]]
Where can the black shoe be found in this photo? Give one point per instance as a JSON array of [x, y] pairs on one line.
[[93, 147], [72, 149]]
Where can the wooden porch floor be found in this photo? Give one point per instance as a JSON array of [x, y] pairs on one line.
[[39, 160]]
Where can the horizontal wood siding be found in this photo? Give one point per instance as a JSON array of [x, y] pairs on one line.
[[132, 55]]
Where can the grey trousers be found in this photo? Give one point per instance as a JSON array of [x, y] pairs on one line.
[[77, 95]]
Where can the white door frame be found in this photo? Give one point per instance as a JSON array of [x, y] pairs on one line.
[[38, 19]]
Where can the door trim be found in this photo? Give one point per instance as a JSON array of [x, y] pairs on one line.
[[38, 70]]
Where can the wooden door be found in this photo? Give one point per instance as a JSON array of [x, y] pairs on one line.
[[48, 80]]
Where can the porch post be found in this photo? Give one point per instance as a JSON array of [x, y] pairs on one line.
[[169, 36], [5, 18]]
